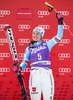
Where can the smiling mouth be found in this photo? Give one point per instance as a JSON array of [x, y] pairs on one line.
[[35, 38]]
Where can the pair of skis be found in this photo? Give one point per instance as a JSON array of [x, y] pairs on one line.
[[12, 46]]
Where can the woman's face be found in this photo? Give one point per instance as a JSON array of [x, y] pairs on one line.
[[36, 36]]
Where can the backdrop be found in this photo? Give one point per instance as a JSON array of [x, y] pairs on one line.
[[23, 16]]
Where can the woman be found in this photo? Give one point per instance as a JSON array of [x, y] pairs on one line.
[[38, 52]]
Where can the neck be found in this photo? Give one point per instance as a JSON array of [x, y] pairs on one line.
[[38, 43], [35, 43]]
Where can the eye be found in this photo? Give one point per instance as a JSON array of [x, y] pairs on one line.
[[37, 33]]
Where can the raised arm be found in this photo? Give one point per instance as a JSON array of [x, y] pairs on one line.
[[60, 32]]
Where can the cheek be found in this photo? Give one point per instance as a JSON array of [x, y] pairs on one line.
[[33, 36], [39, 37]]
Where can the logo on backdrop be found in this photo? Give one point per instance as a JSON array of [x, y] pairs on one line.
[[23, 27], [26, 70], [4, 70], [45, 40], [45, 26], [3, 41], [24, 13], [63, 71], [23, 41], [62, 42], [4, 13], [4, 55], [41, 14], [63, 56], [65, 13], [66, 27]]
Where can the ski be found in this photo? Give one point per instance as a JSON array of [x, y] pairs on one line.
[[12, 46]]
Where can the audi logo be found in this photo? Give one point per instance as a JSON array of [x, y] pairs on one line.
[[26, 70], [4, 12], [45, 40], [4, 55], [23, 26], [64, 55], [65, 13], [66, 26], [43, 12], [24, 40], [3, 40], [44, 26], [64, 41], [20, 55], [4, 69], [65, 70]]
